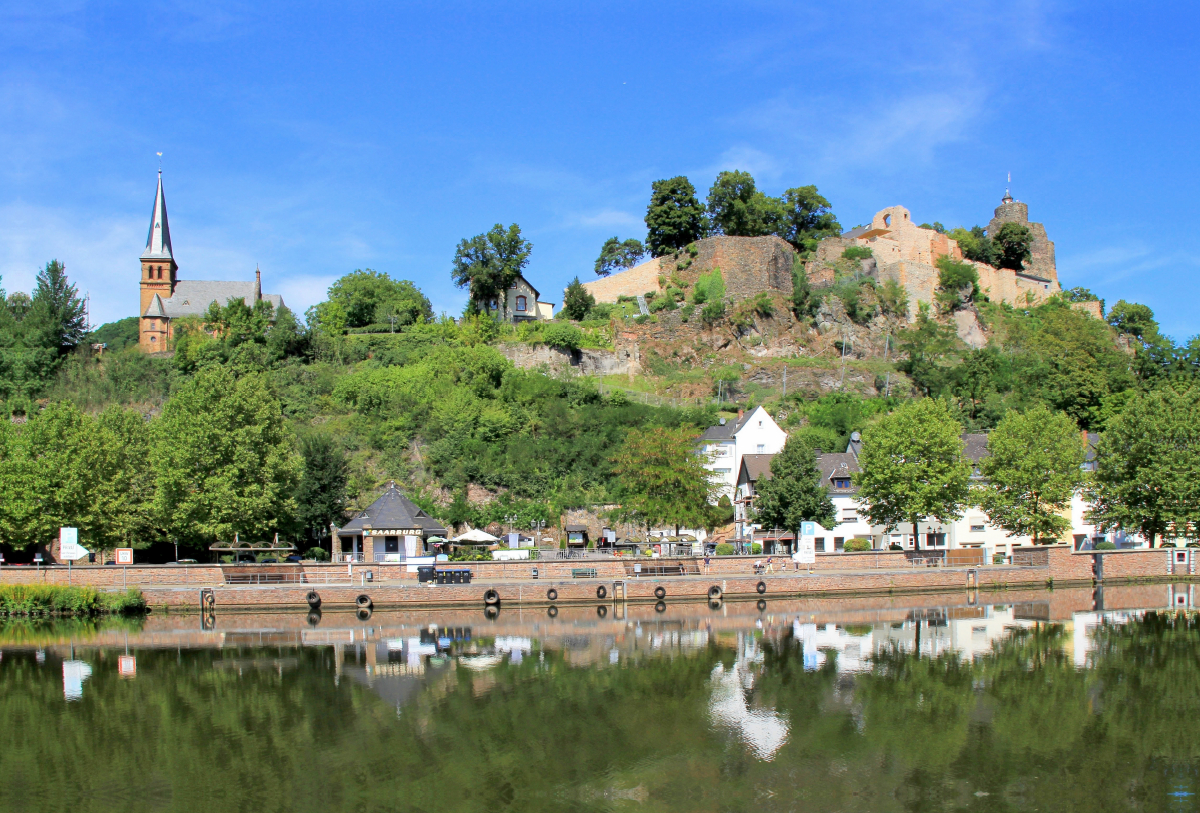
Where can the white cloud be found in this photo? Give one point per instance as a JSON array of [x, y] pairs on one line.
[[96, 252], [610, 218]]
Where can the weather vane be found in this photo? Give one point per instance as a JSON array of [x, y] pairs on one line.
[[160, 163]]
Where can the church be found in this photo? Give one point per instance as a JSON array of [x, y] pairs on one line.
[[166, 298]]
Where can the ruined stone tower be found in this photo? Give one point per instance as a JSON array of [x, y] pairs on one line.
[[1041, 262]]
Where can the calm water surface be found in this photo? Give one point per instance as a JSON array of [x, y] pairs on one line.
[[734, 708]]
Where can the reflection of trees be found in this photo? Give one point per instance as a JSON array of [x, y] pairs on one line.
[[912, 733]]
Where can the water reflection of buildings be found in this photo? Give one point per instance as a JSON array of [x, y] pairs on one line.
[[405, 655]]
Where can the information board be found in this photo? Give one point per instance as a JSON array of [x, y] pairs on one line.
[[68, 545], [124, 556]]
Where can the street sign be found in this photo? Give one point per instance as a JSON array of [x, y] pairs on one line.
[[124, 556], [806, 550], [68, 545]]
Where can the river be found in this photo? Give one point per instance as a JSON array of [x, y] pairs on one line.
[[912, 704]]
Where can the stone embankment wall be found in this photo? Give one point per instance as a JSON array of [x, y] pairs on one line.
[[833, 574]]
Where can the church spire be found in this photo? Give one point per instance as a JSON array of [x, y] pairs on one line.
[[158, 241]]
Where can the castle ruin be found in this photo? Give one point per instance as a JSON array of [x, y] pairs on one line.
[[901, 251]]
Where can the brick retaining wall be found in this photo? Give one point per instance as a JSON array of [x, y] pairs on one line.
[[833, 574]]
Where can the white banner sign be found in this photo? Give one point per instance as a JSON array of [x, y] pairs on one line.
[[68, 545]]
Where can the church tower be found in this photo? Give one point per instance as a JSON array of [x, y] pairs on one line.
[[158, 278]]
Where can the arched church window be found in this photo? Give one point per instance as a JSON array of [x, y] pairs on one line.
[[160, 272]]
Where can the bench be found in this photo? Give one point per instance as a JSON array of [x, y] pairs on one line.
[[583, 573]]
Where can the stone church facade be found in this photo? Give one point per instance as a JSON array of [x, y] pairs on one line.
[[165, 297]]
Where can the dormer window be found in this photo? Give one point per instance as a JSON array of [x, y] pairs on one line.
[[841, 482]]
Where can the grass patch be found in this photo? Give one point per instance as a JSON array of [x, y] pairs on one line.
[[53, 599]]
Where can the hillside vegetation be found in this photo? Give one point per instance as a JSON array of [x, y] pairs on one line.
[[260, 422]]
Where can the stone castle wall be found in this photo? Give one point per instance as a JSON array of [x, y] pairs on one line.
[[633, 282], [749, 266]]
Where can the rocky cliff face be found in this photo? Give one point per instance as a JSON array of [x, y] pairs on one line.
[[584, 362]]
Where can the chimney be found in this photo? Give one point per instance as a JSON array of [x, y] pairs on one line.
[[741, 414], [817, 451], [257, 284]]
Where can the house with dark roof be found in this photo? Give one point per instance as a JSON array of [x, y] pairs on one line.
[[725, 443], [391, 529], [166, 298]]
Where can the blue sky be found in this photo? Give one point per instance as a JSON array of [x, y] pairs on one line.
[[316, 138]]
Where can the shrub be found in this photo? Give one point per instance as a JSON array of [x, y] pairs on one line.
[[1105, 545], [709, 287], [725, 549], [563, 336], [662, 303], [894, 546], [857, 545], [763, 305], [685, 313], [712, 312], [129, 602], [856, 253], [317, 554], [756, 548]]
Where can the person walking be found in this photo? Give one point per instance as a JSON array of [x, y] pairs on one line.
[[706, 563]]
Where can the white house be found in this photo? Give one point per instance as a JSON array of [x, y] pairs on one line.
[[836, 471], [524, 303], [725, 443]]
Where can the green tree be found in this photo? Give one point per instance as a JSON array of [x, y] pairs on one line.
[[617, 256], [370, 297], [577, 301], [1032, 471], [806, 218], [923, 345], [793, 493], [1148, 466], [660, 479], [123, 501], [958, 284], [913, 466], [225, 461], [974, 378], [1072, 363], [48, 477], [804, 304], [975, 245], [57, 313], [321, 494], [488, 264], [737, 208], [1133, 319], [1013, 243], [674, 217]]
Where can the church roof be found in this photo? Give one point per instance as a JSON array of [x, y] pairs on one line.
[[192, 297], [155, 308], [394, 512], [158, 241]]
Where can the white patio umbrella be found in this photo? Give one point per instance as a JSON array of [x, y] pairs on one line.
[[476, 537]]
